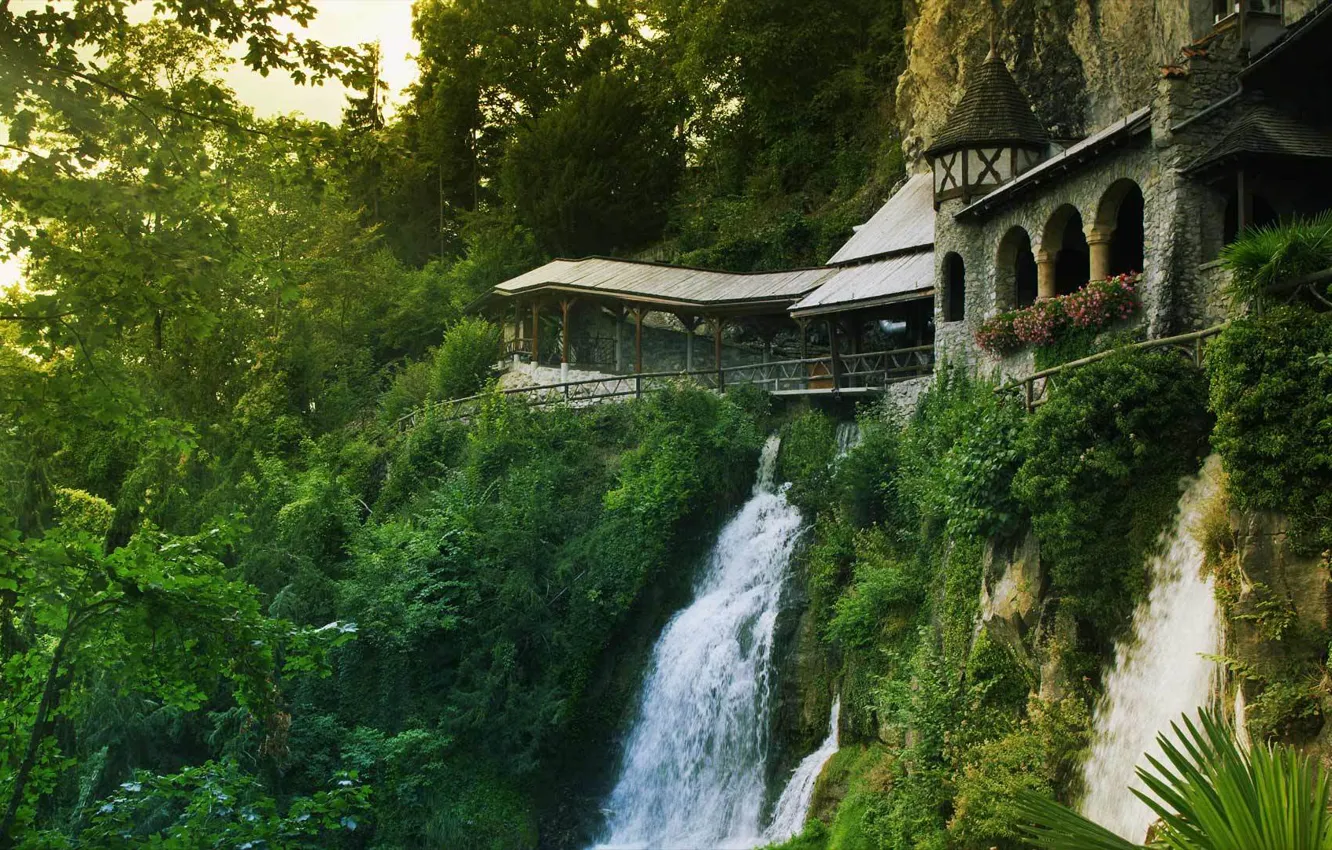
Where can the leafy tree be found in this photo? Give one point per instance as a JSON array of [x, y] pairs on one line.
[[594, 174]]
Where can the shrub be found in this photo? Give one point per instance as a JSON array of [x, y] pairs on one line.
[[958, 457], [1100, 477], [809, 447], [466, 358], [1272, 395]]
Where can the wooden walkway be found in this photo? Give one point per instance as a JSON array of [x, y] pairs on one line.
[[1036, 387], [848, 374]]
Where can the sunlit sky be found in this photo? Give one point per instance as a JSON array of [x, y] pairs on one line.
[[347, 22]]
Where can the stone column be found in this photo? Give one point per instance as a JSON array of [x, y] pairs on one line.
[[1045, 275], [1098, 241]]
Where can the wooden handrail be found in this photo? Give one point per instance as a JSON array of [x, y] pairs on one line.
[[1163, 342]]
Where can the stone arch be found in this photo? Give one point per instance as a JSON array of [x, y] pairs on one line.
[[1118, 237], [954, 287], [1064, 249], [1015, 276]]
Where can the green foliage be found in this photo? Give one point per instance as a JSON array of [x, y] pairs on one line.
[[1272, 395], [466, 358], [1102, 459], [1279, 253], [806, 458], [594, 174], [883, 598], [1211, 794], [202, 807], [1040, 755], [959, 457]]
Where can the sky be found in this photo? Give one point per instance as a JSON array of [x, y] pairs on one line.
[[344, 22]]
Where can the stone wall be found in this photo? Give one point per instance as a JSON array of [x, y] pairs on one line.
[[1182, 219]]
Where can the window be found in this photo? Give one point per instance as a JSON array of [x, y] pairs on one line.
[[955, 289]]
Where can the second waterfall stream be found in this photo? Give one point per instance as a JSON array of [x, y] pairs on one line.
[[1163, 671], [695, 764]]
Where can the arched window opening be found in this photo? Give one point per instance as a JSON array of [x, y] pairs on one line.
[[1127, 241], [955, 290], [1015, 271], [1066, 241]]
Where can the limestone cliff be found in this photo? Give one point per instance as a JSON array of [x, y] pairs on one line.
[[1083, 63]]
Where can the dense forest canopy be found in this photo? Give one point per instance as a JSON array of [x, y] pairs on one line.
[[223, 570]]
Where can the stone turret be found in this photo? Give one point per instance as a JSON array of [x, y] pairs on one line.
[[991, 136]]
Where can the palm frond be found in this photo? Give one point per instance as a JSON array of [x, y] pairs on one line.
[[1057, 827], [1265, 256], [1210, 794]]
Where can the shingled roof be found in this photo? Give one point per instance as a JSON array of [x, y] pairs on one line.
[[1266, 131], [993, 110]]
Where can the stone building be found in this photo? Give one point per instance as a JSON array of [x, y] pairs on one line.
[[1235, 134], [1234, 131]]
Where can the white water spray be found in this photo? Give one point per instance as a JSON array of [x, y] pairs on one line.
[[848, 437], [1160, 673], [693, 772], [788, 818]]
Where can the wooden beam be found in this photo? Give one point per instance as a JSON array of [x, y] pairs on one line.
[[834, 355], [536, 333], [638, 340], [717, 325], [564, 330]]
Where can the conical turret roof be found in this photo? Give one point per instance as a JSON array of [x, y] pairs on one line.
[[993, 110]]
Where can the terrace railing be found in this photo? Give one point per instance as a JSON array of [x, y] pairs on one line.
[[1035, 388], [869, 371]]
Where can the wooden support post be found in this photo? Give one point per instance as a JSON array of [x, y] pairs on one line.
[[835, 356], [638, 351], [536, 333], [1243, 203], [564, 331], [717, 325], [638, 340], [619, 339], [517, 332], [804, 343]]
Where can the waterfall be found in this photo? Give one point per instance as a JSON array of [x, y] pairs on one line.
[[788, 818], [694, 766], [1160, 673], [848, 437]]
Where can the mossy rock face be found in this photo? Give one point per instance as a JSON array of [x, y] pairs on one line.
[[1082, 65], [1277, 605], [805, 670]]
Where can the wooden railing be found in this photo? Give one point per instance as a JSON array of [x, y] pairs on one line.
[[870, 371], [1035, 388]]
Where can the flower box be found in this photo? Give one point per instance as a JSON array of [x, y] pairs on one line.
[[1096, 305]]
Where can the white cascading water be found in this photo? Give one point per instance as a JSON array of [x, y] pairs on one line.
[[1162, 672], [788, 818], [848, 437], [694, 767]]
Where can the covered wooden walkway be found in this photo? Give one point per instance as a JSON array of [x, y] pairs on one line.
[[864, 374]]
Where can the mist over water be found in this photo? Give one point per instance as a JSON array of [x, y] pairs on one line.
[[1161, 672], [694, 767]]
